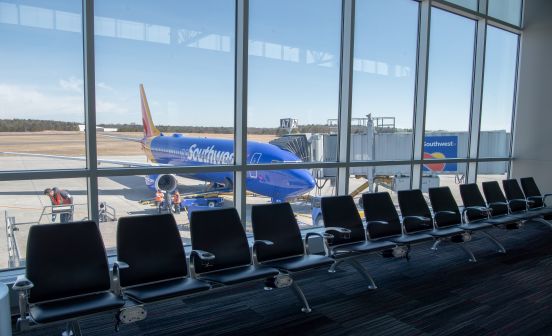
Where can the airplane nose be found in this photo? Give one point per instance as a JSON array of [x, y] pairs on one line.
[[305, 181]]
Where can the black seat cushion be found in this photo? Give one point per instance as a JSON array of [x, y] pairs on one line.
[[505, 219], [472, 197], [71, 308], [276, 222], [341, 211], [65, 260], [300, 263], [166, 289], [544, 212], [220, 232], [412, 238], [493, 194], [477, 225], [442, 200], [240, 274], [412, 203], [446, 232], [379, 207], [365, 247], [152, 247]]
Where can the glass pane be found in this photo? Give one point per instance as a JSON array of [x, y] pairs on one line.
[[506, 10], [121, 196], [384, 79], [182, 52], [377, 179], [294, 51], [296, 186], [41, 86], [26, 203], [498, 93], [492, 171], [469, 4], [449, 85], [447, 178]]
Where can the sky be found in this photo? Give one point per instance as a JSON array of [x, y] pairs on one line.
[[183, 53]]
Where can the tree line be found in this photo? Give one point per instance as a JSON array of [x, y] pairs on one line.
[[34, 125]]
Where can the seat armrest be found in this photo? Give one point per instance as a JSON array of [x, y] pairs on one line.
[[417, 219], [22, 283], [345, 233], [444, 212], [116, 276], [479, 209], [254, 249], [325, 237], [204, 256]]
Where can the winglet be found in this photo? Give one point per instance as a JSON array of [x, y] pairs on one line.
[[149, 128]]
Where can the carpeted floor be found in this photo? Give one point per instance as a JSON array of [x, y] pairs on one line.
[[433, 294]]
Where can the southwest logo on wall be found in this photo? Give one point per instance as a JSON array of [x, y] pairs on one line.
[[440, 147]]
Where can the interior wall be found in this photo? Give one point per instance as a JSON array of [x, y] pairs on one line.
[[533, 122]]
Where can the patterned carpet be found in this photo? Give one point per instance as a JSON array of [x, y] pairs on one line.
[[433, 294]]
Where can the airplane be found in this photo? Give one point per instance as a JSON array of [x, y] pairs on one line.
[[180, 150]]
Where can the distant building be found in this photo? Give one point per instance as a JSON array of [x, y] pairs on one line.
[[82, 128]]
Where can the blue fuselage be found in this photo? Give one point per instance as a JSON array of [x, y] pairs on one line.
[[279, 185]]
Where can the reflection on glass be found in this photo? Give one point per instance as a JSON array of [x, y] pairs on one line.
[[506, 10], [121, 196], [182, 53], [41, 86], [449, 85], [379, 179], [445, 178], [492, 171], [32, 202], [297, 186], [384, 78], [469, 4], [498, 93], [293, 87]]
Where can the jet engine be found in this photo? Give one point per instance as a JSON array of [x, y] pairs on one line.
[[165, 182]]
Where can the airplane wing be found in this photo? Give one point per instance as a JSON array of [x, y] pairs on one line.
[[120, 137], [81, 158]]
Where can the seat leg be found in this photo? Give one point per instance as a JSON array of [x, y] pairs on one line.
[[436, 244], [299, 293], [468, 252], [501, 248], [364, 272], [333, 268], [72, 329]]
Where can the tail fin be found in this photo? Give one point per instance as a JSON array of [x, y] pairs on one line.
[[149, 128]]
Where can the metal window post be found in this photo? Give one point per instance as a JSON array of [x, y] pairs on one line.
[[420, 103], [477, 93], [240, 106], [345, 94], [90, 107]]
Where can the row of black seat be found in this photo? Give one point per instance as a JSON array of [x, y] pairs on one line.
[[67, 274]]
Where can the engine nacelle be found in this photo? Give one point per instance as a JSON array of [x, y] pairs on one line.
[[165, 182]]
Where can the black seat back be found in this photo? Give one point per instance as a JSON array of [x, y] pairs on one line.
[[442, 200], [513, 192], [219, 231], [65, 260], [412, 203], [341, 211], [152, 247], [531, 189], [493, 194], [472, 197], [379, 207], [276, 222]]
